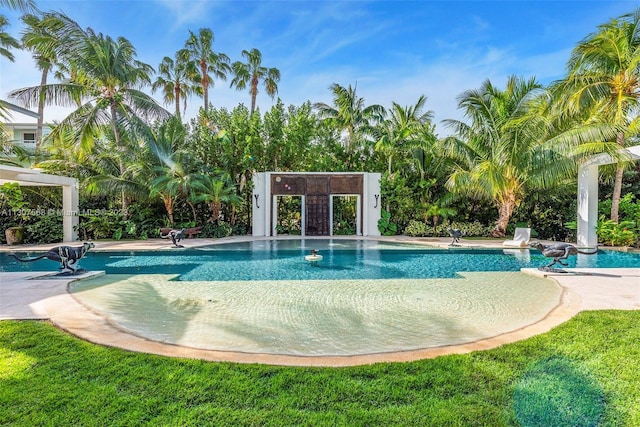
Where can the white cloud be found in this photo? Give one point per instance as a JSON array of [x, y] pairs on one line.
[[184, 12]]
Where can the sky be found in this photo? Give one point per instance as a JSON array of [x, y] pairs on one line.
[[391, 51]]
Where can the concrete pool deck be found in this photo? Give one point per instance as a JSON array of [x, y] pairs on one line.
[[42, 296]]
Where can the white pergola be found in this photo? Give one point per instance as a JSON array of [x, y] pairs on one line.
[[34, 178], [588, 194]]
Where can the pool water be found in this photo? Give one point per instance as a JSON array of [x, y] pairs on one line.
[[320, 317], [363, 297], [342, 260]]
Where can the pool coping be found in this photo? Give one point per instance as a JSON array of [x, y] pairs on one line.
[[34, 295]]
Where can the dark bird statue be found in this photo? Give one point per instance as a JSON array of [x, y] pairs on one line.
[[559, 251], [455, 235], [175, 236]]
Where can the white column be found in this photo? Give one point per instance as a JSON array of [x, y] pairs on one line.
[[261, 204], [372, 204], [70, 219], [587, 205], [359, 215]]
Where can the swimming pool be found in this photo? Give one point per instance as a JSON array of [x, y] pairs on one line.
[[364, 297], [342, 260]]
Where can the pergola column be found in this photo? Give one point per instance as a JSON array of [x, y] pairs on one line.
[[587, 205], [70, 218], [588, 194]]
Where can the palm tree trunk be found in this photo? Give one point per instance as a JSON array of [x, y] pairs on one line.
[[176, 95], [168, 205], [121, 165], [504, 214], [615, 197], [41, 99], [193, 212], [617, 186], [215, 211], [205, 84], [254, 92]]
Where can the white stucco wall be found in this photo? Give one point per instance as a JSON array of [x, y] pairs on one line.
[[263, 206]]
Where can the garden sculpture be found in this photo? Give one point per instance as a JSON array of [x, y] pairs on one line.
[[175, 236], [455, 235], [558, 251], [65, 255]]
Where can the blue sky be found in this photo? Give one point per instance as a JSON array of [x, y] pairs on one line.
[[394, 51]]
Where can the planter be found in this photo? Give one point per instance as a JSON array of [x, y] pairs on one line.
[[14, 235]]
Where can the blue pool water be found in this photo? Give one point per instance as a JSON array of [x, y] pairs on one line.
[[342, 259]]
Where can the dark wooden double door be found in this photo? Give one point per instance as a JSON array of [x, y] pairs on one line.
[[317, 215]]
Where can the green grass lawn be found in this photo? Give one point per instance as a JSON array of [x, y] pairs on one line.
[[585, 372]]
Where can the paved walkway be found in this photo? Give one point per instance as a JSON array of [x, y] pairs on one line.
[[44, 296]]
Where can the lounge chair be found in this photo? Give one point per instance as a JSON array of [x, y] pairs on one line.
[[520, 238]]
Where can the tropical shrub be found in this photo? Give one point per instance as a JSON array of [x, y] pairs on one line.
[[385, 226], [289, 215], [216, 229], [12, 201], [47, 229], [344, 215], [104, 224], [617, 234], [417, 229], [344, 228], [471, 229], [624, 233], [628, 208]]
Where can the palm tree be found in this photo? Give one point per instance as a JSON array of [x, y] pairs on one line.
[[500, 154], [251, 73], [174, 77], [23, 5], [116, 171], [41, 39], [216, 190], [349, 114], [604, 77], [403, 129], [172, 173], [105, 88], [199, 48], [7, 42]]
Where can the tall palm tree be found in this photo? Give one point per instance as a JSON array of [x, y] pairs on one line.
[[199, 48], [500, 153], [604, 76], [403, 129], [174, 80], [350, 115], [252, 73], [41, 39], [105, 88]]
